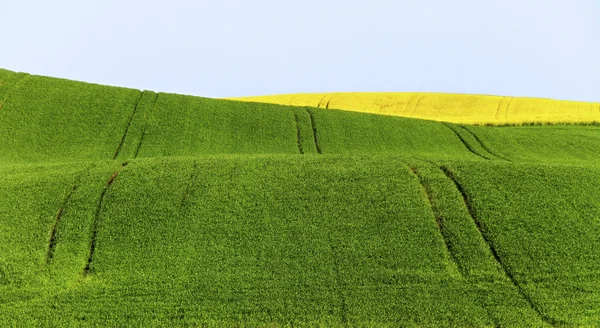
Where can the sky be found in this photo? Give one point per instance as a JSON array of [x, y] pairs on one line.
[[227, 48]]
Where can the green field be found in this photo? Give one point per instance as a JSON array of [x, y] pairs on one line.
[[128, 208]]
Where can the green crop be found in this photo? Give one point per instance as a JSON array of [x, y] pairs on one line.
[[128, 208]]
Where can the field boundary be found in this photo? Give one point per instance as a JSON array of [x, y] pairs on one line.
[[492, 248], [135, 107], [439, 220], [531, 123], [314, 129], [139, 145], [95, 222]]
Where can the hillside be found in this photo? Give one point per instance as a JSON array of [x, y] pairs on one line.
[[127, 208], [454, 108]]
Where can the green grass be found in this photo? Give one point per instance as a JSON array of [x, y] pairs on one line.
[[128, 208], [49, 120], [567, 144], [544, 222], [187, 126]]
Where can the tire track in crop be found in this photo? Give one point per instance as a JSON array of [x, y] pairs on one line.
[[500, 103], [139, 145], [298, 136], [439, 220], [338, 282], [321, 101], [502, 109], [54, 230], [492, 248], [407, 105], [414, 109], [13, 89], [314, 129], [327, 105], [95, 222], [135, 107], [507, 107], [465, 143], [482, 144]]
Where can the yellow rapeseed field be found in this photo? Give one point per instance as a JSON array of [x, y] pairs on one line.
[[455, 108]]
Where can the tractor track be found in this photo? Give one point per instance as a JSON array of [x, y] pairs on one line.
[[314, 129], [492, 248], [439, 220], [464, 142], [298, 136], [54, 230], [135, 107], [96, 220], [139, 145]]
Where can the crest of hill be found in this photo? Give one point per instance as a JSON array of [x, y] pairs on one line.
[[50, 120], [454, 108]]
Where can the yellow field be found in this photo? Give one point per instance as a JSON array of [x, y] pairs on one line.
[[455, 108]]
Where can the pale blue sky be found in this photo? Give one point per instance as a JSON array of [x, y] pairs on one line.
[[542, 48]]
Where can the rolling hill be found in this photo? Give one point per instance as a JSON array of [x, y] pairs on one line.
[[127, 208]]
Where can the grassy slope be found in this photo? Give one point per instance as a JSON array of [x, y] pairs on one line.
[[455, 108], [50, 120], [303, 239], [221, 221], [565, 144], [544, 222]]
